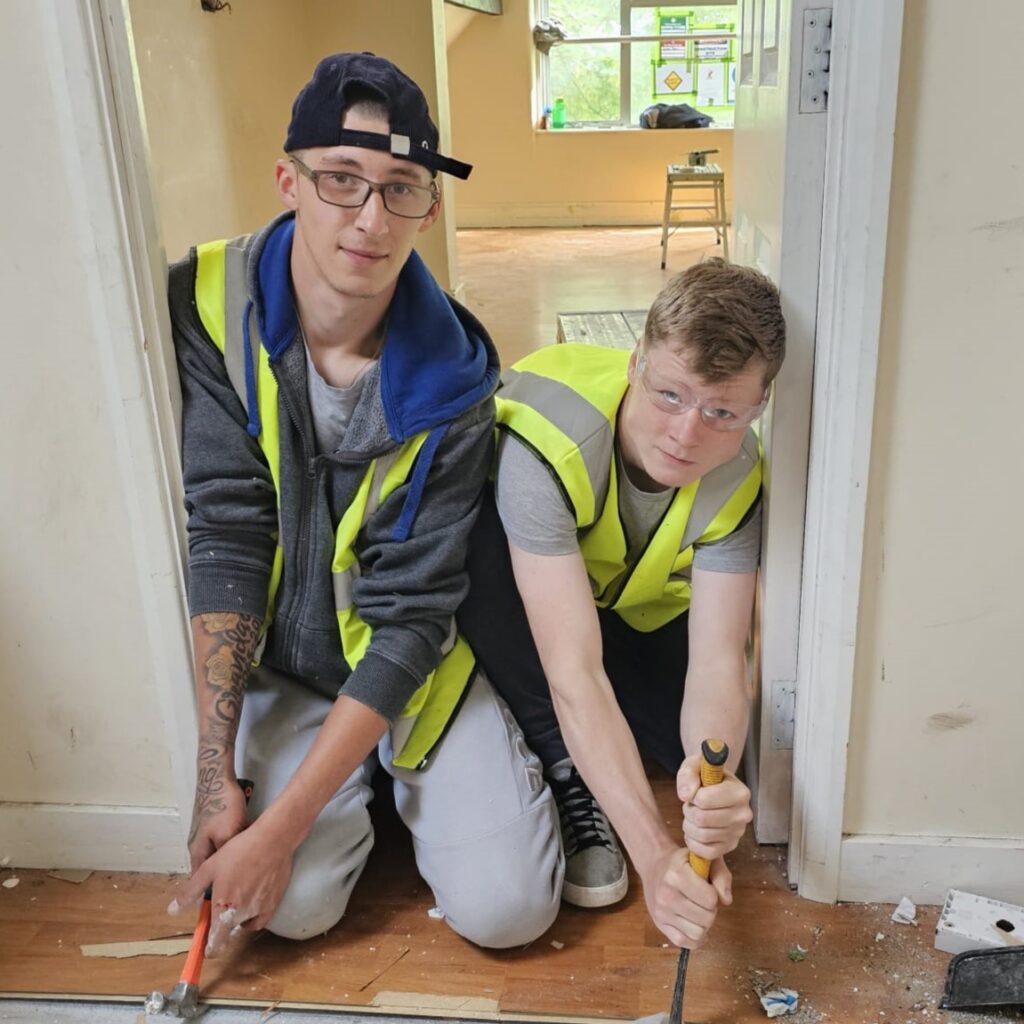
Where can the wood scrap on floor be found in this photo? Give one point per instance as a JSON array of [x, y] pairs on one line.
[[75, 877], [144, 947]]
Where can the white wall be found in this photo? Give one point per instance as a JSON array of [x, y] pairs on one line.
[[934, 766], [91, 616]]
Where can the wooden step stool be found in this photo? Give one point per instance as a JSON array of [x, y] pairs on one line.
[[709, 178]]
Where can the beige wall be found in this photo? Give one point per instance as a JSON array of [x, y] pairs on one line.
[[935, 745], [523, 176], [218, 90]]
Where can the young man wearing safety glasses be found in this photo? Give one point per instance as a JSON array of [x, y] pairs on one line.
[[338, 422], [612, 577]]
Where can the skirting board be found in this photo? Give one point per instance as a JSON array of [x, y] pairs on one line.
[[563, 215], [101, 837], [881, 869]]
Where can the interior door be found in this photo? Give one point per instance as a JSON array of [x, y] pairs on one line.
[[778, 178]]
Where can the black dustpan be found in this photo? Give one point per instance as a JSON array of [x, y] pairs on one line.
[[985, 977]]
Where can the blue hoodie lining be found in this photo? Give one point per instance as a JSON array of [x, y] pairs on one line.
[[420, 472], [434, 365]]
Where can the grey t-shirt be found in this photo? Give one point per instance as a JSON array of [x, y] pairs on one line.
[[537, 520], [331, 407]]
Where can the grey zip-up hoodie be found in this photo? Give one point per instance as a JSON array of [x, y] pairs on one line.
[[437, 372]]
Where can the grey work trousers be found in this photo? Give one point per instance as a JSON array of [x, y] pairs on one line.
[[484, 823]]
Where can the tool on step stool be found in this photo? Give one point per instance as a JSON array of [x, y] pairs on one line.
[[183, 999], [699, 157], [714, 754]]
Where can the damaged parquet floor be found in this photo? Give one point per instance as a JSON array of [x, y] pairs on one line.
[[389, 954]]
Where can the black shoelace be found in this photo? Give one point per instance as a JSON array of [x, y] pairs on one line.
[[580, 814]]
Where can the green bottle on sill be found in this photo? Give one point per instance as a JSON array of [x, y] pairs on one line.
[[558, 113]]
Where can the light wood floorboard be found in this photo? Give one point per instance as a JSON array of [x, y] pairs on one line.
[[388, 953]]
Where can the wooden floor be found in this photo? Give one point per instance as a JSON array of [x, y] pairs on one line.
[[517, 280], [388, 954]]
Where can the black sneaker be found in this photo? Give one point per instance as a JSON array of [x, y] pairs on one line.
[[595, 869]]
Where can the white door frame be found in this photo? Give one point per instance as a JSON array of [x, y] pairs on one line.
[[862, 106], [864, 75], [143, 375]]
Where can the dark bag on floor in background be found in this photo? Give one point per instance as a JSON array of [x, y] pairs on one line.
[[673, 115]]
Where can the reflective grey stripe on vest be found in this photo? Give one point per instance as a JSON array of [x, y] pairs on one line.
[[235, 299], [344, 581], [717, 487], [571, 413]]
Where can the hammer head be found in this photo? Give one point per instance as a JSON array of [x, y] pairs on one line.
[[182, 1001]]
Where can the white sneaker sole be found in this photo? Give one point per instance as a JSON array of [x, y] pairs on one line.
[[596, 896]]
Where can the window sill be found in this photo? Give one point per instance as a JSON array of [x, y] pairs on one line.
[[628, 130]]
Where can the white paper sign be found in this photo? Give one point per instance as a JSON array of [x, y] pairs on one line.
[[670, 78], [711, 85], [713, 49]]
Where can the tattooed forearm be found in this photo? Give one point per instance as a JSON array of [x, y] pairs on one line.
[[224, 643]]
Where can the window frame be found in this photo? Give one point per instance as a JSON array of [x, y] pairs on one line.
[[626, 8]]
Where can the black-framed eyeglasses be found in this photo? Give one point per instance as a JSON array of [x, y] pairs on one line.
[[343, 188]]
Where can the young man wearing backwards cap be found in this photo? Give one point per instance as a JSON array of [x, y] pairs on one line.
[[337, 430]]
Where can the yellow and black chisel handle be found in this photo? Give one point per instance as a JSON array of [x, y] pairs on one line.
[[714, 754]]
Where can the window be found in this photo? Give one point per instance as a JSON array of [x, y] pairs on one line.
[[623, 55]]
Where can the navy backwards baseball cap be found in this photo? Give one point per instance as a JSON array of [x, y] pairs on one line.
[[345, 78]]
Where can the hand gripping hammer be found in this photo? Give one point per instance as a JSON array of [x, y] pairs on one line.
[[183, 999]]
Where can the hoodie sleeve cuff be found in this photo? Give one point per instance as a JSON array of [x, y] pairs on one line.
[[380, 684], [218, 588]]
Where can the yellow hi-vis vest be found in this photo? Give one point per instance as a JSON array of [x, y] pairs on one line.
[[221, 301], [561, 402]]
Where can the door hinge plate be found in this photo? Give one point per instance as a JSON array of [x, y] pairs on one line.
[[815, 55]]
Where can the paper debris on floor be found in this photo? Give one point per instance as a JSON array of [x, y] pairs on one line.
[[557, 944], [145, 947], [905, 912], [10, 883], [69, 875], [436, 914], [780, 1001]]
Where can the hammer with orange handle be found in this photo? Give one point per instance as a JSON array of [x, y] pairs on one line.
[[183, 999]]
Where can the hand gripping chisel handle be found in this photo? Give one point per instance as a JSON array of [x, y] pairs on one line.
[[714, 754]]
